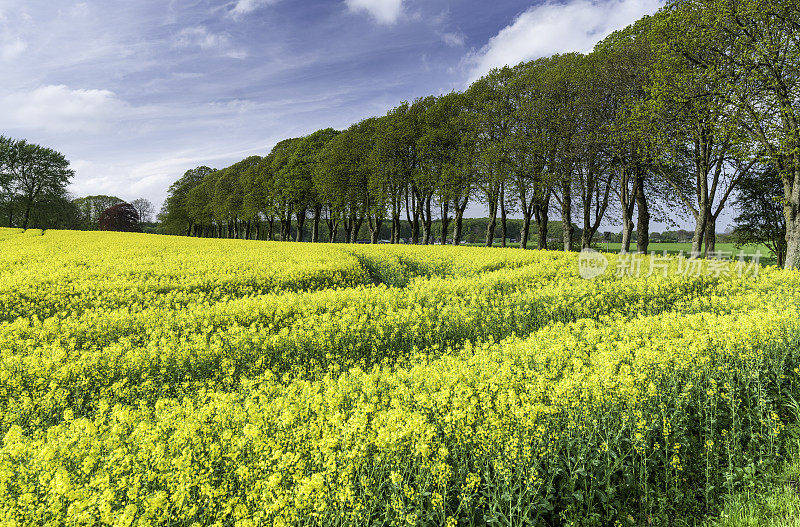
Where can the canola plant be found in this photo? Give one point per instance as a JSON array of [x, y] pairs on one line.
[[154, 380]]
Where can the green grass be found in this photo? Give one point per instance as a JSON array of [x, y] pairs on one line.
[[769, 500], [729, 249]]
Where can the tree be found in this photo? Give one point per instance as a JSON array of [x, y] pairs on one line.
[[33, 175], [627, 57], [441, 169], [121, 217], [491, 117], [175, 216], [229, 197], [145, 209], [298, 184], [281, 155], [699, 125], [564, 72], [759, 200], [259, 199], [8, 184], [397, 157], [199, 206], [751, 50], [344, 175]]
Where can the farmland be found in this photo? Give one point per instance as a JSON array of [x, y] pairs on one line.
[[156, 380]]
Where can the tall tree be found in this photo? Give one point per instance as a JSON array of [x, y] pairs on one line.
[[492, 118], [534, 144], [8, 184], [259, 201], [281, 155], [751, 50], [344, 177], [397, 155], [298, 186], [39, 174], [700, 125], [627, 58], [90, 208], [175, 216], [122, 217], [441, 170]]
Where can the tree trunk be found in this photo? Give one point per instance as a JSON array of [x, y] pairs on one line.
[[643, 221], [445, 220], [526, 227], [566, 215], [627, 202], [428, 221], [315, 225], [541, 243], [492, 222], [540, 212], [699, 230], [792, 238], [503, 215], [301, 220], [395, 235], [374, 230], [333, 226], [457, 224], [627, 234], [710, 236]]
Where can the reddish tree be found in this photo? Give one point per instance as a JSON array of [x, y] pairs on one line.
[[121, 217]]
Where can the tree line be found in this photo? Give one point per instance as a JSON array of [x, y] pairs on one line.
[[33, 192], [686, 109]]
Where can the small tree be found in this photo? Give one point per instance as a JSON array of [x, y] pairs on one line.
[[761, 218], [121, 217], [145, 209]]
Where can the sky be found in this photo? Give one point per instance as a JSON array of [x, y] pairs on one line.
[[135, 93]]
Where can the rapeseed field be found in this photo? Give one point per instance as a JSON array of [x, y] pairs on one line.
[[155, 380]]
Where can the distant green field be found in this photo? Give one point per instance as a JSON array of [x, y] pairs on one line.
[[728, 249]]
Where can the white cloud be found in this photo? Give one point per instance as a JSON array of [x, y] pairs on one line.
[[244, 7], [12, 48], [454, 40], [11, 44], [61, 109], [383, 11], [575, 25], [202, 38]]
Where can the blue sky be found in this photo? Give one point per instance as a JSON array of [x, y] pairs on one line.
[[137, 92]]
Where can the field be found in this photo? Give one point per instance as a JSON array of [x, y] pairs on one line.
[[686, 248], [155, 380]]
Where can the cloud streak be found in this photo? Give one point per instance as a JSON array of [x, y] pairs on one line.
[[244, 7], [200, 37], [383, 11]]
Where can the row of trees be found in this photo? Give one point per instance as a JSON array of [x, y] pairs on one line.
[[90, 209], [682, 111]]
